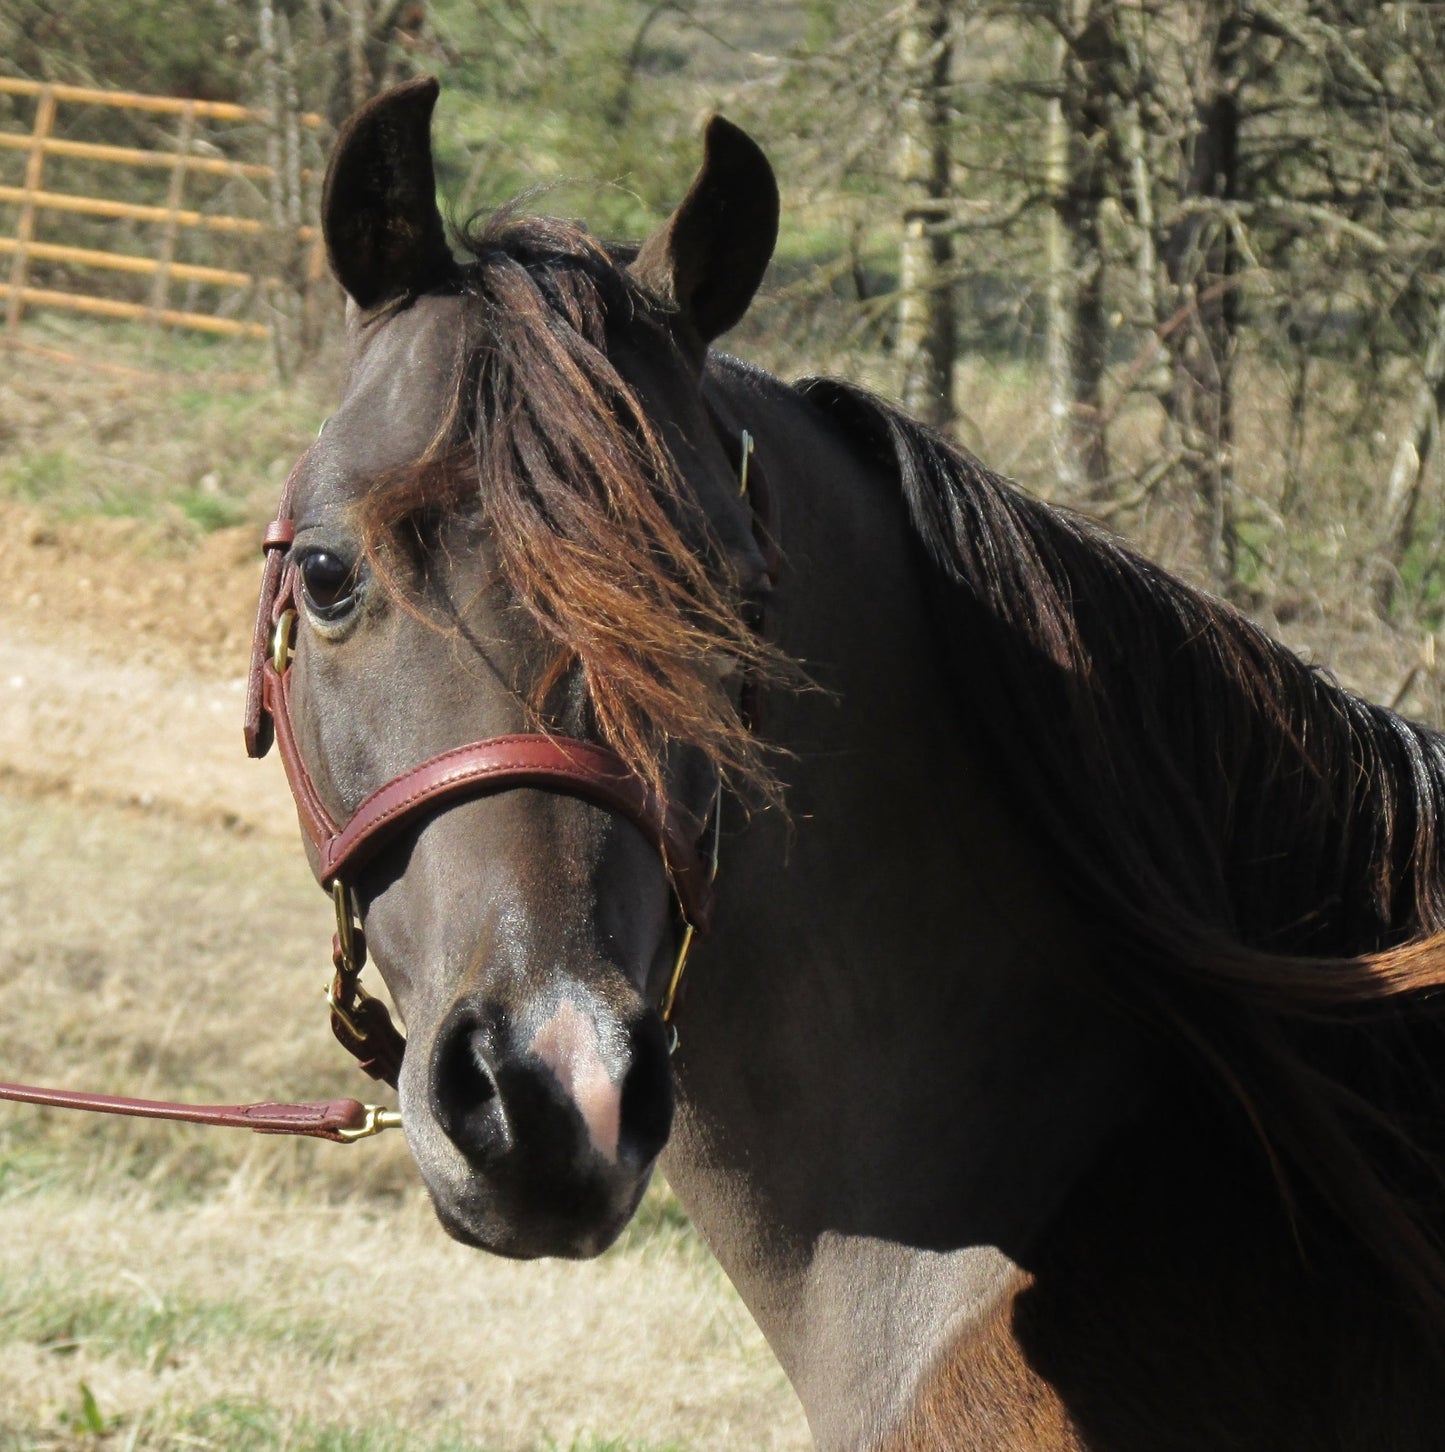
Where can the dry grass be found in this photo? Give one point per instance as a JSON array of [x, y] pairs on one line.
[[254, 1292], [351, 1318]]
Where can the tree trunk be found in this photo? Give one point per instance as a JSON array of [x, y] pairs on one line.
[[358, 72], [1088, 113], [283, 157], [1202, 263], [1401, 506], [927, 330], [1059, 319]]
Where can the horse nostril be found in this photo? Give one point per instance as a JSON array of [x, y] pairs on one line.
[[465, 1098]]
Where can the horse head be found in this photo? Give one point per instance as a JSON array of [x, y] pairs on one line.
[[522, 522]]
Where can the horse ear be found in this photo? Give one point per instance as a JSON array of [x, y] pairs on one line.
[[708, 258], [384, 234]]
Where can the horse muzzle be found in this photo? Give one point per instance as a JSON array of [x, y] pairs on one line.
[[536, 1133]]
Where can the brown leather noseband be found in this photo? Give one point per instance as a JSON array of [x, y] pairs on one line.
[[578, 768]]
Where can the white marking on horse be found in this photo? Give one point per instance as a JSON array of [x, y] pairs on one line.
[[568, 1044]]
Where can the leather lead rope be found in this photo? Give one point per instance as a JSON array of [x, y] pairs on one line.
[[339, 1120]]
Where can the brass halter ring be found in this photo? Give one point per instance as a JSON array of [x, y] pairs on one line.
[[283, 641]]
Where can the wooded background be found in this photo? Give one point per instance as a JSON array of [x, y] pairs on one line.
[[1179, 264]]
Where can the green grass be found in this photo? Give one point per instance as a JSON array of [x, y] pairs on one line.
[[1422, 571], [27, 1166], [186, 435], [37, 475], [138, 345], [209, 510], [145, 1330]]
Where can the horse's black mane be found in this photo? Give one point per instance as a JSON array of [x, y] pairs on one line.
[[1260, 848], [1226, 780]]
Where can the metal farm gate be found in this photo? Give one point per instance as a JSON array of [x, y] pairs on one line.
[[186, 256]]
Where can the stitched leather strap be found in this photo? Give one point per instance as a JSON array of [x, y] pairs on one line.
[[503, 763], [340, 1120], [500, 763]]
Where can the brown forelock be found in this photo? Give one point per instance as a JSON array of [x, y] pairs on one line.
[[1258, 850], [596, 531]]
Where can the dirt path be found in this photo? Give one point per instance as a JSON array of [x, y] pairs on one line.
[[83, 721]]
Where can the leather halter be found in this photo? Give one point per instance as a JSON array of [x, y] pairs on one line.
[[564, 764]]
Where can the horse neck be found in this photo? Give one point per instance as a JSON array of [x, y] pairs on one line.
[[885, 1086], [966, 1203]]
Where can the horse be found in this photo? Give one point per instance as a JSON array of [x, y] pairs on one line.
[[1059, 1066]]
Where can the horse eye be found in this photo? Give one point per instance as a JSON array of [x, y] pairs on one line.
[[328, 583]]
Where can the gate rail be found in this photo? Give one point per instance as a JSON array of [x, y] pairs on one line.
[[33, 199]]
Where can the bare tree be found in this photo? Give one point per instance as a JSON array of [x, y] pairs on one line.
[[1201, 260], [927, 333], [1084, 150]]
